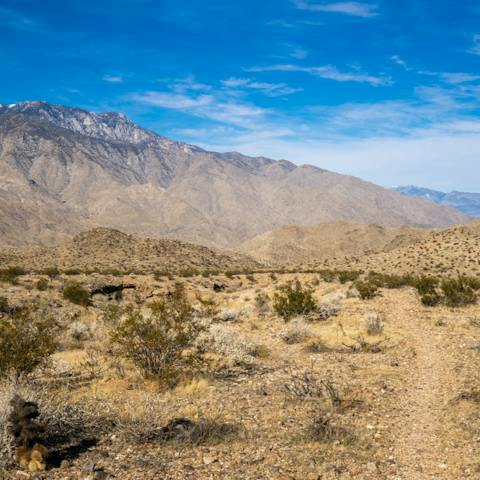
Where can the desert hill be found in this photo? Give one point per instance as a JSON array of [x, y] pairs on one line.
[[103, 249], [297, 245], [64, 170], [446, 252]]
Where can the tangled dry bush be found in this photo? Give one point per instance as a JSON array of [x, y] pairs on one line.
[[375, 323], [296, 331], [223, 340]]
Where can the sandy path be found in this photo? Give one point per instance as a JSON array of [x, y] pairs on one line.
[[425, 443]]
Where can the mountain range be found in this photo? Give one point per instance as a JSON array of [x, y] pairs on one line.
[[65, 170], [468, 203]]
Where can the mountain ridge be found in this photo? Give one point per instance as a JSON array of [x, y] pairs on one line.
[[64, 170], [466, 202]]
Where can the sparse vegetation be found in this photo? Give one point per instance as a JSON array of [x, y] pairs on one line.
[[293, 299], [75, 293], [366, 290]]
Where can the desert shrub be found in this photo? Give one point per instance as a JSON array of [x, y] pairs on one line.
[[208, 306], [223, 340], [366, 290], [426, 285], [472, 282], [261, 302], [42, 284], [72, 271], [375, 323], [384, 280], [11, 274], [4, 306], [155, 342], [430, 299], [345, 276], [324, 311], [457, 292], [293, 299], [75, 293], [25, 343], [296, 331], [250, 277], [51, 272], [327, 275]]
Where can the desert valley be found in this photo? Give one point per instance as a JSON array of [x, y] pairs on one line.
[[168, 312]]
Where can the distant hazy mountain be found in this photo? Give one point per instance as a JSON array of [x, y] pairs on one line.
[[468, 203], [64, 170]]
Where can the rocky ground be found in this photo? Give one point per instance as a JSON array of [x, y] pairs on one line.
[[311, 399]]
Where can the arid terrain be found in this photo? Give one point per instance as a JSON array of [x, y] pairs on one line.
[[364, 381]]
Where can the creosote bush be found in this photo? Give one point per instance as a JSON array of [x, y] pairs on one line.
[[366, 290], [11, 274], [293, 299], [458, 292], [75, 293], [155, 341], [25, 343]]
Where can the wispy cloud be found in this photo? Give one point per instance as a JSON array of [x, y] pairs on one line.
[[475, 49], [18, 21], [328, 72], [113, 78], [356, 9], [269, 89], [399, 61], [453, 78], [215, 106]]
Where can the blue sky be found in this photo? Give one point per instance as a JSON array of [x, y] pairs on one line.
[[387, 90]]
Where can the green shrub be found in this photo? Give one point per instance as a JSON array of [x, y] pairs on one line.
[[75, 293], [426, 285], [293, 299], [458, 292], [25, 343], [42, 284], [366, 290], [345, 276], [327, 275], [72, 271], [11, 274], [430, 299], [155, 342], [383, 280], [51, 272]]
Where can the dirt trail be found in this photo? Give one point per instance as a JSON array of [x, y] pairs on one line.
[[425, 444]]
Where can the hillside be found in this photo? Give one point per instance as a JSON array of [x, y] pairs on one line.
[[65, 170], [468, 203], [296, 245], [106, 249], [448, 252]]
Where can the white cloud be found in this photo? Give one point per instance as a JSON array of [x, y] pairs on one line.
[[113, 78], [172, 100], [269, 89], [299, 53], [328, 72], [399, 61], [356, 9], [453, 78]]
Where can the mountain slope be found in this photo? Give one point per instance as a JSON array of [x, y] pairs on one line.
[[297, 245], [64, 170], [468, 203]]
